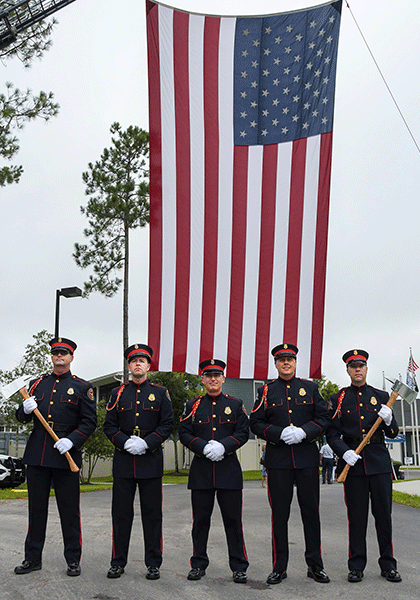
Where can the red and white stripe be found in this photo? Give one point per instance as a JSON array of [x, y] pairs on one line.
[[238, 234]]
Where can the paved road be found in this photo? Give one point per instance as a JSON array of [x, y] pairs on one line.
[[52, 582]]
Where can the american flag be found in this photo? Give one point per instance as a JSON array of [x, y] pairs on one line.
[[411, 373], [241, 117]]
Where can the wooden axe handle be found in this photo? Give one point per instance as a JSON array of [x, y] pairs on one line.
[[73, 466], [343, 475]]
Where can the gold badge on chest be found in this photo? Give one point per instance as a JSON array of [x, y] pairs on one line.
[[302, 392], [228, 410], [70, 391], [373, 401], [152, 397]]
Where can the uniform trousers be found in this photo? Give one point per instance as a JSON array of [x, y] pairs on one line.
[[67, 494], [280, 491], [357, 490], [123, 494], [230, 503]]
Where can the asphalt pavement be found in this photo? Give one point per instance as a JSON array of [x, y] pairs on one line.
[[52, 583]]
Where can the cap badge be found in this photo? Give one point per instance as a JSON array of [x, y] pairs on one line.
[[373, 401], [212, 361], [152, 397], [60, 340], [285, 346], [355, 352], [302, 392], [136, 346], [70, 391], [228, 410]]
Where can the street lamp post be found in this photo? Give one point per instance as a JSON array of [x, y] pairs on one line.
[[70, 292]]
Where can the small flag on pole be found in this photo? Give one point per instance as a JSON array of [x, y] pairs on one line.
[[411, 373]]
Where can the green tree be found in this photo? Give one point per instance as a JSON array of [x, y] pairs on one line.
[[327, 388], [182, 387], [96, 447], [18, 107], [35, 361], [119, 189]]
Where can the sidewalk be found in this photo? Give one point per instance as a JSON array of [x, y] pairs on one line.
[[407, 487]]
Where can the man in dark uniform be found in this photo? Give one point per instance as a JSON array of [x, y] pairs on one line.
[[354, 410], [139, 419], [68, 404], [289, 414], [214, 426]]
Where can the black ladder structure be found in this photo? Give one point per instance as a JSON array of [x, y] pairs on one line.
[[17, 15]]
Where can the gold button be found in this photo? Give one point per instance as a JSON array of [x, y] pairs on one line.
[[214, 428], [136, 427], [137, 414], [291, 424], [57, 381], [361, 404], [214, 416], [138, 401], [214, 403], [360, 393], [51, 402], [290, 411], [363, 430], [288, 397], [137, 391], [362, 417], [54, 391], [49, 416]]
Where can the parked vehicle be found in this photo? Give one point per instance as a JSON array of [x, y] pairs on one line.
[[12, 471]]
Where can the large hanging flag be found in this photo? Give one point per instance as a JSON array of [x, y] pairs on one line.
[[241, 117]]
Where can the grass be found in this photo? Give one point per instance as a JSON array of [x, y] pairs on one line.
[[407, 499]]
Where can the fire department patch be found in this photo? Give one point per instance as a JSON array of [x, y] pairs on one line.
[[228, 410], [70, 391], [302, 392], [152, 397], [90, 394], [373, 401]]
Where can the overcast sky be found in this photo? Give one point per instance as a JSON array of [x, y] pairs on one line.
[[97, 69]]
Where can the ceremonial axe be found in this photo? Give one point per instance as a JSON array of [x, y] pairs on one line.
[[19, 385], [398, 389]]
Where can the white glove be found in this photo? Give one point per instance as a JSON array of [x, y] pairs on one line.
[[129, 446], [207, 449], [216, 451], [351, 457], [139, 445], [63, 445], [293, 435], [29, 405], [386, 414]]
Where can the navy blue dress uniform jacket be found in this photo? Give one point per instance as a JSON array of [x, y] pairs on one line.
[[221, 418], [358, 412], [144, 410], [293, 402], [67, 403]]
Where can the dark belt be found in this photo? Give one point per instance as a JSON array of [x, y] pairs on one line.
[[138, 432], [377, 438], [63, 428]]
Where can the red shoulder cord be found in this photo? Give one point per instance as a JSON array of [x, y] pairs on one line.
[[339, 403], [263, 399], [193, 410], [120, 391], [33, 386]]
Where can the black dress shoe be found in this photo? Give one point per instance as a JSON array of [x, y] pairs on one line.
[[196, 574], [318, 574], [392, 575], [73, 569], [239, 577], [152, 573], [27, 567], [355, 575], [275, 577], [115, 571]]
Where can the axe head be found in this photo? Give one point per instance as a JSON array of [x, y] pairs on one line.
[[404, 391], [13, 387]]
